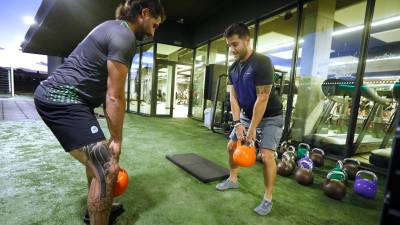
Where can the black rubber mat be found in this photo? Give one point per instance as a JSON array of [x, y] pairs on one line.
[[199, 167]]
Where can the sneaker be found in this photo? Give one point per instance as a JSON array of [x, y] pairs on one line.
[[116, 208], [227, 184], [264, 208]]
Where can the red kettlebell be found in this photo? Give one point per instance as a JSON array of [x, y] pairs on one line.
[[244, 155], [122, 183]]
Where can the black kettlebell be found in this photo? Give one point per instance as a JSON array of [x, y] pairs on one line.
[[334, 189], [317, 156], [282, 148], [290, 156], [304, 176], [334, 186], [351, 167], [284, 168]]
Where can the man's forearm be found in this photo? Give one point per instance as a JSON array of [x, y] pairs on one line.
[[235, 109], [258, 111], [115, 109]]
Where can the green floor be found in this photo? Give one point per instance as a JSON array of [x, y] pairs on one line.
[[40, 184]]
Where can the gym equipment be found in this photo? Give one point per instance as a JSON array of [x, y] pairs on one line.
[[351, 167], [282, 148], [317, 156], [306, 163], [366, 187], [285, 168], [303, 150], [338, 173], [244, 154], [220, 99], [290, 156], [199, 167], [334, 189], [304, 176], [122, 183], [338, 93], [381, 157]]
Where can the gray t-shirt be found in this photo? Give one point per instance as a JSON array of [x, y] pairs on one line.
[[83, 76]]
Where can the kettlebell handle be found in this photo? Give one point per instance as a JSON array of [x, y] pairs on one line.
[[305, 145], [340, 164], [335, 173], [283, 144], [247, 143], [291, 149], [350, 160], [372, 174], [318, 150]]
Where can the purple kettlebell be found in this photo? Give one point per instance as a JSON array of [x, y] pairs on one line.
[[366, 187], [306, 163]]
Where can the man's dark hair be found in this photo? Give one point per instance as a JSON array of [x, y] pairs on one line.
[[239, 29], [132, 8]]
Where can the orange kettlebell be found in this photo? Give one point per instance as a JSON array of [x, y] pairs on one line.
[[244, 155], [121, 184]]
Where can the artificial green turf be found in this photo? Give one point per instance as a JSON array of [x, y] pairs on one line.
[[40, 184]]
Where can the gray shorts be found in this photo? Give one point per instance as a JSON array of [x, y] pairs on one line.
[[271, 131]]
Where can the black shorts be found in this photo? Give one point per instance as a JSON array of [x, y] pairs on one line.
[[74, 125]]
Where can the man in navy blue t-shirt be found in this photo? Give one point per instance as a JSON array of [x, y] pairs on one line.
[[255, 104]]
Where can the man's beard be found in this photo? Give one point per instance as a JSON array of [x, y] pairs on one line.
[[141, 35]]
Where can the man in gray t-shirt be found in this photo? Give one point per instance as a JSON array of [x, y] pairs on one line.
[[95, 74], [83, 76]]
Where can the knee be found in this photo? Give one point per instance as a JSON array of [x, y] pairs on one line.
[[268, 155], [231, 146]]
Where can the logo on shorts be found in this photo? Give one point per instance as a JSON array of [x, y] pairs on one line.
[[94, 129]]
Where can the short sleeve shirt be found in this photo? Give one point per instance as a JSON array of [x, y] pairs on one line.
[[83, 76], [257, 70]]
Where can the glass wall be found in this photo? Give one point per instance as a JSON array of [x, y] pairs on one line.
[[198, 81], [381, 72], [134, 82], [330, 38], [164, 88], [174, 69], [276, 38], [217, 55], [146, 78]]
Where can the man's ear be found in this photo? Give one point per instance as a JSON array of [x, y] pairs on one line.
[[145, 12]]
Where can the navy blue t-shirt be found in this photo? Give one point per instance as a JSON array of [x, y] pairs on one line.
[[257, 70]]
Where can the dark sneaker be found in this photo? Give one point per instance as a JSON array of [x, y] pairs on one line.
[[227, 184], [264, 208]]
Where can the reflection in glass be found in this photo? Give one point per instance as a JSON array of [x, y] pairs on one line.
[[329, 39], [164, 88], [381, 73], [276, 36], [182, 81], [134, 79], [146, 78], [198, 81]]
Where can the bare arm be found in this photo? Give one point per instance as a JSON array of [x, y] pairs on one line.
[[260, 105], [115, 99], [234, 103]]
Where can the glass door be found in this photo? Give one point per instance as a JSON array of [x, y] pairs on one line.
[[165, 93], [182, 82]]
